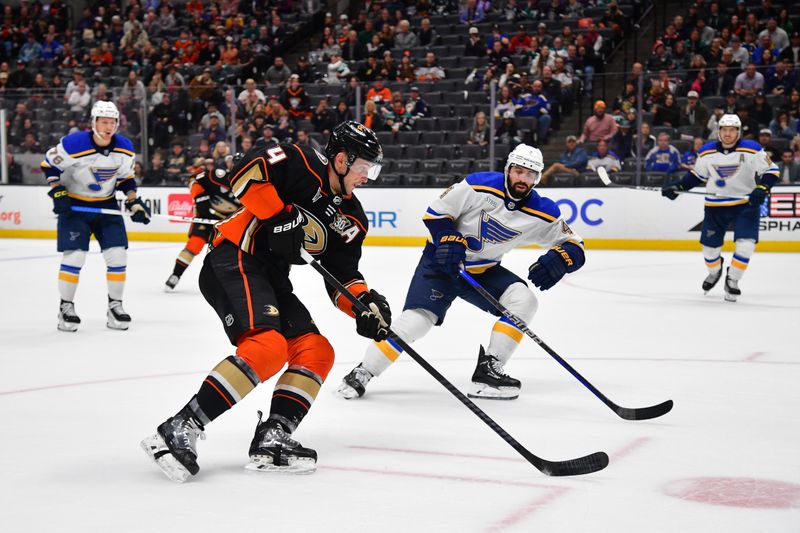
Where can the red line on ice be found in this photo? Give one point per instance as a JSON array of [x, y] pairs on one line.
[[443, 477], [525, 511], [95, 382]]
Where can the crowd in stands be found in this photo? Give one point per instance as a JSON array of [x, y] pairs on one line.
[[721, 57]]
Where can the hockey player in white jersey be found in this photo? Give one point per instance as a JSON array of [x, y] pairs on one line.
[[730, 168], [86, 169], [474, 223]]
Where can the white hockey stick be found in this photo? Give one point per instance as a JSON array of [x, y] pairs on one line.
[[103, 211], [604, 177]]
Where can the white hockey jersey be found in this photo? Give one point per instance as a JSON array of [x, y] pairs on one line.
[[494, 223], [88, 172], [731, 172]]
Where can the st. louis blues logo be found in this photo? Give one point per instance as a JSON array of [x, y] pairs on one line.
[[724, 172], [492, 232], [101, 175]]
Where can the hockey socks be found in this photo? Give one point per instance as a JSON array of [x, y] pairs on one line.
[[713, 259], [69, 273], [116, 259], [230, 381], [504, 339], [506, 336], [293, 396], [411, 325], [741, 258], [193, 247]]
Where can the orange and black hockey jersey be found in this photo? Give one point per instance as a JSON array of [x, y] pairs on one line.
[[212, 196], [296, 102], [269, 177]]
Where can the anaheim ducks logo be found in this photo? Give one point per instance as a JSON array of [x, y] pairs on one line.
[[315, 240]]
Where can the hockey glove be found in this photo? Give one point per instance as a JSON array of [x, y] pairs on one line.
[[139, 211], [451, 251], [552, 266], [758, 195], [62, 203], [670, 190], [285, 234], [374, 324]]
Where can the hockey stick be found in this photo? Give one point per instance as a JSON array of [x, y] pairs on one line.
[[573, 467], [604, 177], [628, 413], [103, 211]]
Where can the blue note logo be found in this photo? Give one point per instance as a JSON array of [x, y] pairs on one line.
[[101, 175], [491, 232]]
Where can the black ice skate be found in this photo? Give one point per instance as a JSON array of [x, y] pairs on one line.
[[272, 450], [712, 279], [732, 291], [490, 380], [172, 282], [174, 446], [117, 317], [354, 384], [67, 319]]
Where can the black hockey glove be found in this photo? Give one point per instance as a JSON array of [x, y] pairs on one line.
[[451, 251], [62, 203], [373, 324], [285, 234], [670, 190], [552, 266], [758, 195], [139, 211]]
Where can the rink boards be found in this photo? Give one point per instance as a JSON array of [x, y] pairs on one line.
[[605, 218]]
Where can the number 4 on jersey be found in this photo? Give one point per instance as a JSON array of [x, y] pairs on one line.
[[276, 155]]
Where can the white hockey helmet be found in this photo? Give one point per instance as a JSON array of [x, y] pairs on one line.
[[526, 157], [104, 109], [730, 120]]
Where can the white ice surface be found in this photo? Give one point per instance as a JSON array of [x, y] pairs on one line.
[[409, 457]]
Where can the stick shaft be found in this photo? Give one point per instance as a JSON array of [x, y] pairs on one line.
[[105, 211]]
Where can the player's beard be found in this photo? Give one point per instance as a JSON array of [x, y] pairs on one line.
[[519, 189]]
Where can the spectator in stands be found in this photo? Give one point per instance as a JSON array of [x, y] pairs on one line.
[[352, 50], [251, 90], [406, 70], [177, 161], [133, 89], [779, 79], [472, 13], [430, 69], [791, 53], [342, 112], [499, 55], [416, 105], [277, 33], [14, 169], [135, 37], [602, 157], [761, 111], [378, 93], [373, 118], [783, 126], [479, 132], [536, 105], [720, 82], [777, 36], [20, 78], [337, 70], [212, 111], [426, 35], [157, 173], [644, 140], [750, 126], [749, 82], [304, 70], [694, 113], [203, 149], [572, 161], [245, 144], [31, 50], [622, 141], [278, 73], [202, 88], [397, 118], [304, 139], [689, 157], [370, 70], [765, 140], [229, 54], [475, 46], [375, 47], [789, 169], [505, 102], [507, 131], [323, 118], [221, 151], [295, 99], [739, 54], [663, 157], [79, 100], [404, 38], [599, 125], [29, 145], [793, 105]]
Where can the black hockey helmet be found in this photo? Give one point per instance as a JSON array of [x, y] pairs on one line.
[[358, 141]]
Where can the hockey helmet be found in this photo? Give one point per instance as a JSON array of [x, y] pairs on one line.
[[105, 110], [730, 120], [526, 157], [358, 142]]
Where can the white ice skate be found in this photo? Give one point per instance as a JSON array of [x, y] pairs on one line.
[[117, 317], [273, 450], [354, 384], [732, 291], [178, 460], [67, 319], [489, 381], [171, 283]]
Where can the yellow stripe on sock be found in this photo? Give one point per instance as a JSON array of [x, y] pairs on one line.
[[738, 264], [115, 276], [388, 351], [66, 276], [715, 264], [511, 331]]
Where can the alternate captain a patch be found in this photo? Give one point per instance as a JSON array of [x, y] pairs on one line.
[[492, 232]]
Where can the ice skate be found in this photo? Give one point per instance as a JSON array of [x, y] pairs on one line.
[[174, 446], [713, 278], [732, 291], [117, 317], [171, 283], [354, 384], [272, 450], [490, 380], [67, 319]]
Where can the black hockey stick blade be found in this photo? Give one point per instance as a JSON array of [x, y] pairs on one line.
[[643, 413], [571, 467], [627, 413]]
